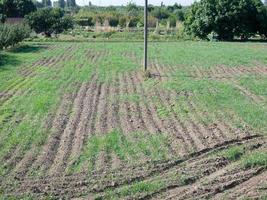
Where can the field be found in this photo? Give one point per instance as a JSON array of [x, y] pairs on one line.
[[81, 120]]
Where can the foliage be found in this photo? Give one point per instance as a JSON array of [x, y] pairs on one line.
[[12, 34], [160, 13], [130, 15], [2, 15], [227, 18], [132, 10], [47, 3], [70, 3], [38, 4], [16, 8], [113, 20], [85, 21], [49, 21], [61, 3], [180, 15]]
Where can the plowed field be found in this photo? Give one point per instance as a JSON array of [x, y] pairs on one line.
[[81, 120]]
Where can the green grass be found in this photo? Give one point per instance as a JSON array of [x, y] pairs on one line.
[[234, 153], [255, 159], [129, 148]]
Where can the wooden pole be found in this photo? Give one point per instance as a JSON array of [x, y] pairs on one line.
[[145, 36]]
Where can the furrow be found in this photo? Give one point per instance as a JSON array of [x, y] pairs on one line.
[[65, 145], [46, 157], [81, 132], [48, 185], [139, 118]]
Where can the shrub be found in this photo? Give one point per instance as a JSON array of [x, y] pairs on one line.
[[13, 34], [113, 21]]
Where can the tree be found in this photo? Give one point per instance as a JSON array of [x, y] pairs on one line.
[[226, 18], [38, 4], [174, 7], [49, 21], [180, 15], [160, 13], [17, 8], [2, 15], [71, 3], [132, 10], [132, 15], [61, 3], [47, 3]]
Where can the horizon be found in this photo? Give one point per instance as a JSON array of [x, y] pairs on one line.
[[138, 2]]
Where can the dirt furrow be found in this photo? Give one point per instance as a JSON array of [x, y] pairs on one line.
[[101, 124], [217, 183], [48, 152], [123, 109], [65, 145], [227, 124], [216, 129], [140, 109], [189, 128], [208, 134], [91, 127], [178, 142], [154, 120], [81, 132], [185, 130], [173, 121], [116, 104], [65, 185], [253, 188]]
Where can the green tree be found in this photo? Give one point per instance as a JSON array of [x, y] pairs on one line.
[[61, 3], [17, 8], [160, 13], [47, 3], [180, 15], [38, 4], [132, 15], [71, 3], [49, 21], [132, 10], [2, 15], [227, 18]]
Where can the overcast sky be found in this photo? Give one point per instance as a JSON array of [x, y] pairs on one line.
[[139, 2]]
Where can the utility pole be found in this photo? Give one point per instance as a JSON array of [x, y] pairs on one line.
[[145, 36]]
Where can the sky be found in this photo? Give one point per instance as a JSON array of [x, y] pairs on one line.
[[139, 2]]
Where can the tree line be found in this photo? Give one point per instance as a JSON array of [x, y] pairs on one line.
[[205, 19]]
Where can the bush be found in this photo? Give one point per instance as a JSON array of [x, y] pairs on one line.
[[13, 34], [113, 21]]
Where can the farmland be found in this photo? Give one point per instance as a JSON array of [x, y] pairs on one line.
[[82, 120]]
